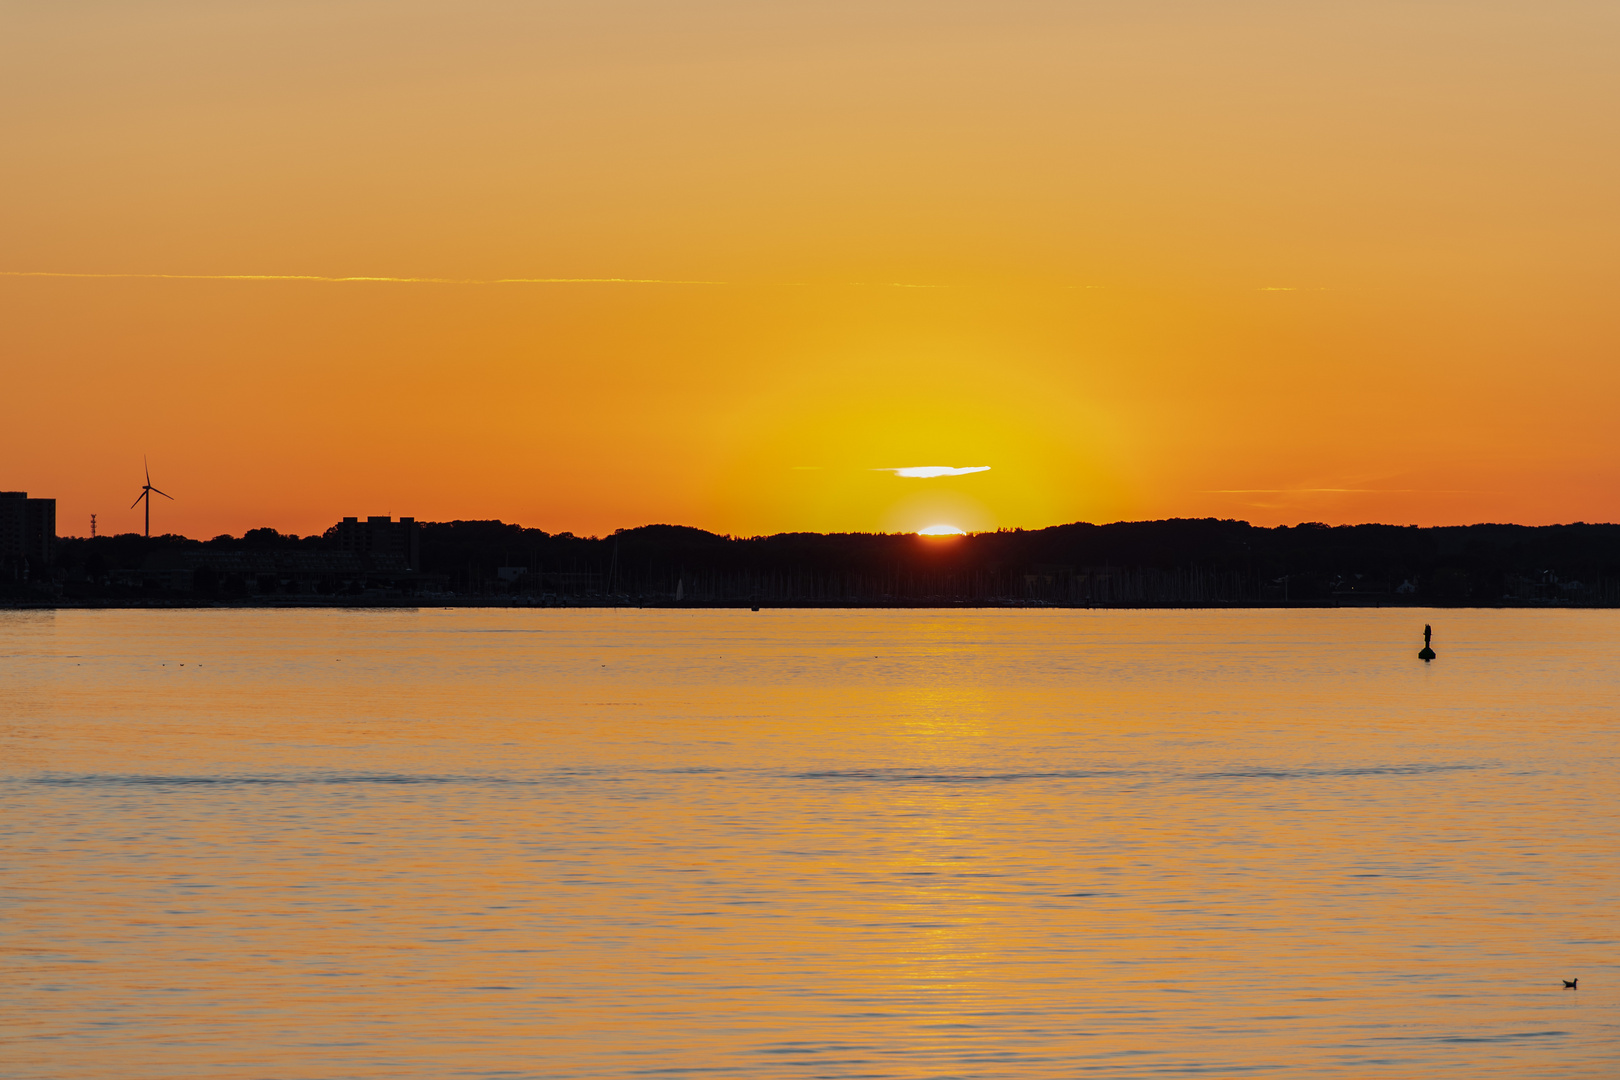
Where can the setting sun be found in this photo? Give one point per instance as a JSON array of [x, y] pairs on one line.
[[942, 530]]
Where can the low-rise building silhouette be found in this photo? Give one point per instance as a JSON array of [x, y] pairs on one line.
[[258, 573], [380, 536]]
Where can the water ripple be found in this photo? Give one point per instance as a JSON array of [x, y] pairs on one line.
[[253, 780], [910, 776]]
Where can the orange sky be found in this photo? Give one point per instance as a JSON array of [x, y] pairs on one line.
[[1277, 261]]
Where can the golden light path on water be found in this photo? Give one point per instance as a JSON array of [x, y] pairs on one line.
[[567, 843]]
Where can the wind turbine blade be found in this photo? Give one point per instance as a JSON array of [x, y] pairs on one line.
[[148, 467], [137, 502], [165, 494]]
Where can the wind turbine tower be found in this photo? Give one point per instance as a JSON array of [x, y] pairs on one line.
[[147, 491]]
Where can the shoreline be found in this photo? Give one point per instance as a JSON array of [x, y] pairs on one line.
[[405, 603]]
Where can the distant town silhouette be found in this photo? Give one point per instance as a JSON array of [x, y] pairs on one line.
[[1178, 562]]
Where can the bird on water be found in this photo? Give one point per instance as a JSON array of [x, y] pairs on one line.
[[1569, 984]]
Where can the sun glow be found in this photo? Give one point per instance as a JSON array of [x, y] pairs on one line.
[[942, 530]]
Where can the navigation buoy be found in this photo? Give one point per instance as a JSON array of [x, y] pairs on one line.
[[1427, 654]]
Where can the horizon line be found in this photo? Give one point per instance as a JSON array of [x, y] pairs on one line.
[[875, 532]]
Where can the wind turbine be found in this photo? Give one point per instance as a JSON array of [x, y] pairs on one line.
[[146, 493]]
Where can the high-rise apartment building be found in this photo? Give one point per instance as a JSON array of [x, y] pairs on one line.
[[27, 530]]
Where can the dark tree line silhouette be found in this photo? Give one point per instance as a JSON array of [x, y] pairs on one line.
[[1172, 562]]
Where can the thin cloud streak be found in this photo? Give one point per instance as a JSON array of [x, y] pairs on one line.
[[389, 280], [930, 472], [361, 278], [1340, 491]]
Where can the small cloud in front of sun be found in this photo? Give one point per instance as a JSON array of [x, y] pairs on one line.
[[929, 472], [942, 530]]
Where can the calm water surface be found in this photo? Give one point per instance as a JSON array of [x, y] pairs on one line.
[[282, 844]]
